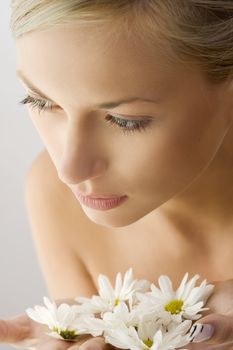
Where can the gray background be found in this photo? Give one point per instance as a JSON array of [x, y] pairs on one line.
[[22, 284]]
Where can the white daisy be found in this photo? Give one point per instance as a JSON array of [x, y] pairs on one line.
[[93, 325], [184, 303], [110, 297], [63, 321], [149, 335], [121, 317]]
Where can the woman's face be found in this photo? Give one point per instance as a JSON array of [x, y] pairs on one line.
[[182, 126]]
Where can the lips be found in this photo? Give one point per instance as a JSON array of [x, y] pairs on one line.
[[97, 196], [98, 203]]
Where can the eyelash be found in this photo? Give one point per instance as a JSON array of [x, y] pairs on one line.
[[136, 125]]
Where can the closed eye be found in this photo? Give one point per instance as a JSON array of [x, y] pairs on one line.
[[126, 125]]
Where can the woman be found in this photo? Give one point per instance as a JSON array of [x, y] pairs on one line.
[[132, 100]]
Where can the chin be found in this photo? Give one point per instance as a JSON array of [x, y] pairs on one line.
[[113, 218]]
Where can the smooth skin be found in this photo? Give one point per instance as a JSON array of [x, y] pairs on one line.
[[177, 173], [173, 165]]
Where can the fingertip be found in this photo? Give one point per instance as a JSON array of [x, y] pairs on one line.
[[11, 331], [215, 329], [3, 330], [206, 332], [97, 343]]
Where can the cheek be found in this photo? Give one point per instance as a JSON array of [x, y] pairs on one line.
[[176, 152], [51, 131]]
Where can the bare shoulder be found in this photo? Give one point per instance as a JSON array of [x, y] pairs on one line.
[[43, 180], [56, 218], [43, 171]]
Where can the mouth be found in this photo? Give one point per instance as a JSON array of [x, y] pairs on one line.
[[100, 202], [98, 196]]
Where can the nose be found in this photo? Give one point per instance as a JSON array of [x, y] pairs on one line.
[[80, 160]]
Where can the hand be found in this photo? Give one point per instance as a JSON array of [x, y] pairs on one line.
[[220, 317], [22, 332]]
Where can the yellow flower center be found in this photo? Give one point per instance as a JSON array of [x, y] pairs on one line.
[[174, 306], [65, 334], [116, 302], [148, 342]]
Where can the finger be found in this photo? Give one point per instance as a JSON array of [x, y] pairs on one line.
[[96, 343], [197, 346], [11, 331], [51, 343], [213, 329]]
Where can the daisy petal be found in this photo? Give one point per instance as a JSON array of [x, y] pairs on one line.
[[165, 285], [118, 285], [180, 290], [106, 290]]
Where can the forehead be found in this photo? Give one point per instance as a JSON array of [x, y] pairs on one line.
[[87, 59], [87, 42]]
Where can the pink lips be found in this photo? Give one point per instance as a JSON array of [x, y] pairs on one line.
[[103, 203]]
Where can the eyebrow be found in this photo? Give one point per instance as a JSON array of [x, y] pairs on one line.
[[107, 105]]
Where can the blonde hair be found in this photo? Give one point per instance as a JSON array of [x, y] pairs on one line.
[[198, 31]]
